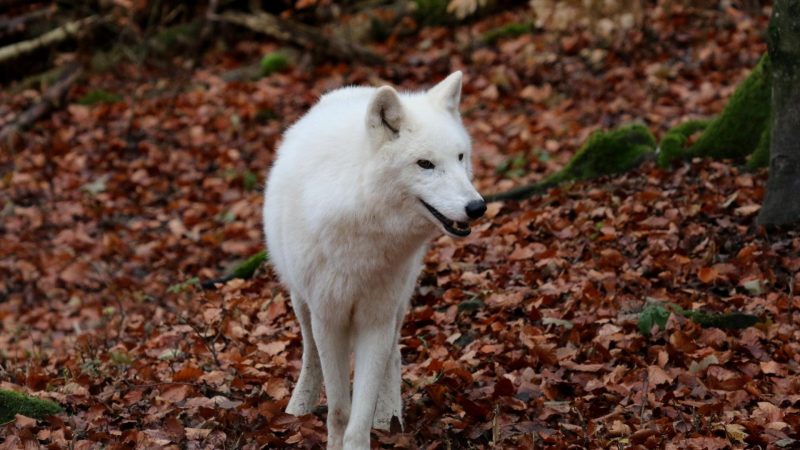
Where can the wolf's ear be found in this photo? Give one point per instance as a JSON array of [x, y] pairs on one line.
[[385, 114], [448, 92]]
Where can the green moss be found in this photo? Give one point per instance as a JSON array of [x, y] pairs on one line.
[[657, 313], [760, 157], [183, 286], [96, 96], [508, 30], [652, 314], [247, 268], [12, 403], [514, 166], [103, 61], [273, 62], [265, 115], [737, 131], [673, 144], [249, 180], [604, 153], [176, 37], [432, 12], [607, 152]]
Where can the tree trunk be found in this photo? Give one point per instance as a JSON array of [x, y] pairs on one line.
[[782, 201]]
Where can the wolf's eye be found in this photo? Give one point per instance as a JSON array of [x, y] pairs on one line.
[[425, 164], [460, 156]]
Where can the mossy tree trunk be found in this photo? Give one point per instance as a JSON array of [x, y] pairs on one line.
[[782, 202]]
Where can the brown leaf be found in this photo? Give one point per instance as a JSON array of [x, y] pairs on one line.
[[175, 428], [188, 373], [24, 421], [707, 275], [656, 375], [175, 394], [273, 348], [196, 434], [75, 273]]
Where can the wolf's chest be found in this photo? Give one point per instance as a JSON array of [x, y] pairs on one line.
[[358, 266]]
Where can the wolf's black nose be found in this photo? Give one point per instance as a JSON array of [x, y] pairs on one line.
[[476, 208]]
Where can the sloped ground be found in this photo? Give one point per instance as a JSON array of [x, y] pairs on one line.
[[523, 335]]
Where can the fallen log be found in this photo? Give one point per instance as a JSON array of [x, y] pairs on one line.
[[51, 97], [51, 37], [300, 35]]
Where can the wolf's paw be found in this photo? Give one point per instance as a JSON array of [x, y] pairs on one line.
[[382, 423], [299, 407], [383, 417]]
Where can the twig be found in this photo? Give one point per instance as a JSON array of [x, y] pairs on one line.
[[644, 397], [209, 346], [300, 35], [51, 37], [495, 427], [50, 98]]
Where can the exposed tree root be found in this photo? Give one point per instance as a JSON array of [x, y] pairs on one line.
[[301, 35], [51, 97]]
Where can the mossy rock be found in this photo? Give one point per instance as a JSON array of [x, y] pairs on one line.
[[508, 30], [12, 403], [673, 144], [737, 131], [273, 62], [606, 153]]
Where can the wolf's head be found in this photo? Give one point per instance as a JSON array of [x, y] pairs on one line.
[[420, 140]]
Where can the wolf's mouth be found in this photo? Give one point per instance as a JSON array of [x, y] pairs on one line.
[[460, 229]]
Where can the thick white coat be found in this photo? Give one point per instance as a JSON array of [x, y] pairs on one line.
[[346, 232]]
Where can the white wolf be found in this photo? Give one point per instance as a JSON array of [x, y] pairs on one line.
[[361, 183]]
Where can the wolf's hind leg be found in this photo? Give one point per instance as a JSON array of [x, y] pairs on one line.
[[333, 341], [306, 393]]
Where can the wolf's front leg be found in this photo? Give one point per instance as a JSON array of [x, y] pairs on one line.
[[373, 348], [333, 344], [390, 402], [306, 393]]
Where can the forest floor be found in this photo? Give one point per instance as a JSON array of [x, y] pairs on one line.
[[523, 335]]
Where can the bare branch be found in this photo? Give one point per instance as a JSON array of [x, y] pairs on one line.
[[51, 37]]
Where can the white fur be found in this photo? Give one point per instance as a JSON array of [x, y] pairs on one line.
[[346, 233]]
